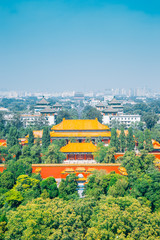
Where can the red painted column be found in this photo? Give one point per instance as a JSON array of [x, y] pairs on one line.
[[75, 157]]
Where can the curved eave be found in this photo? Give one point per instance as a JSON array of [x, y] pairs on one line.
[[80, 134], [78, 152]]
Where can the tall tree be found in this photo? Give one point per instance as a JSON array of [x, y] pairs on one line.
[[109, 158], [114, 139], [148, 141], [31, 138], [54, 155], [35, 152], [17, 121], [46, 137], [130, 140], [63, 114], [100, 153], [150, 120], [122, 139], [15, 151], [12, 138], [90, 112], [2, 123], [68, 187], [141, 141], [49, 184]]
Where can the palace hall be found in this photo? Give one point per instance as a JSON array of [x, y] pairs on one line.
[[81, 129]]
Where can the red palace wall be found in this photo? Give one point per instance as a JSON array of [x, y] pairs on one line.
[[157, 155], [1, 167], [56, 170]]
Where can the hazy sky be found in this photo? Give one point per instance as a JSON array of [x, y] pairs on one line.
[[79, 44]]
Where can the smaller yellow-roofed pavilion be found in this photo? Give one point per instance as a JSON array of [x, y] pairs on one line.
[[79, 151], [79, 148]]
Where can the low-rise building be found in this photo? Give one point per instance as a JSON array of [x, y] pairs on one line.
[[41, 105], [43, 112], [123, 119], [100, 106], [115, 104], [57, 106], [49, 114]]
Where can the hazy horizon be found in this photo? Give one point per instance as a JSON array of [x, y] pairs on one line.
[[79, 45]]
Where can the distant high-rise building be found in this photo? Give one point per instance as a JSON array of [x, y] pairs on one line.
[[79, 96]]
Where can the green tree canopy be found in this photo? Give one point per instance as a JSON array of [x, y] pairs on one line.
[[54, 155], [15, 151], [22, 166], [105, 154], [12, 138], [35, 152], [147, 141], [90, 112], [46, 137], [99, 183], [63, 114], [13, 198], [7, 180], [130, 140], [123, 218], [49, 184], [150, 120], [53, 219], [114, 139], [30, 138], [68, 187], [122, 140]]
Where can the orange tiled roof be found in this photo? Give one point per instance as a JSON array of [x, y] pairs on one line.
[[3, 143], [79, 148], [80, 124], [79, 134], [156, 145]]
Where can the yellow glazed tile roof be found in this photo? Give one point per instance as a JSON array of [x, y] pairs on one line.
[[91, 170], [80, 124], [80, 169], [79, 148], [79, 134], [156, 145], [69, 170], [119, 132]]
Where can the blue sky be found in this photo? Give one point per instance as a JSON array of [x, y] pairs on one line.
[[79, 45]]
